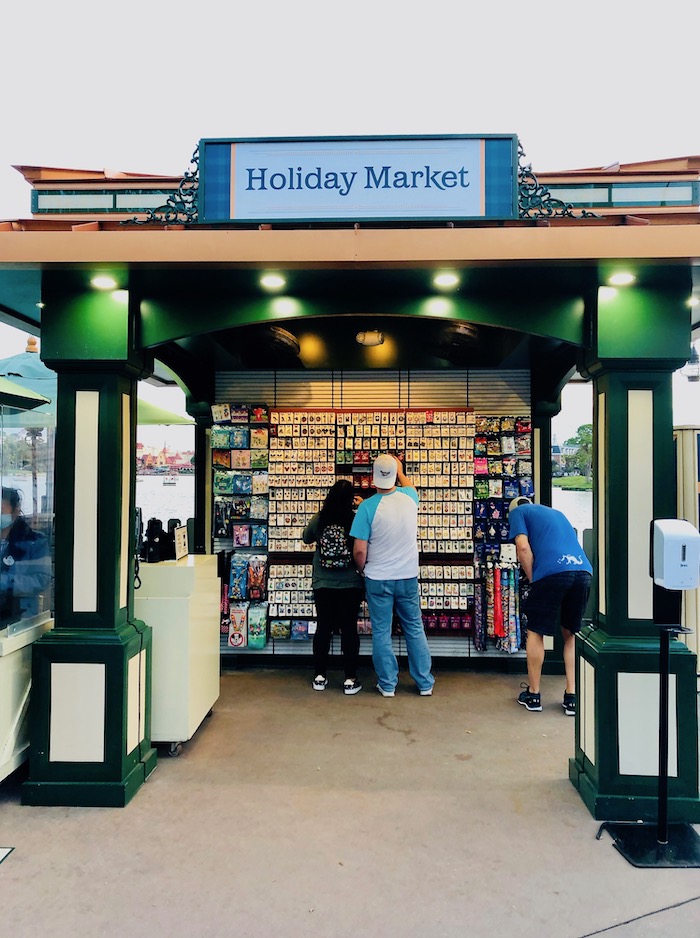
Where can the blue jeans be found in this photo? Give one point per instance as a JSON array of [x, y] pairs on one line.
[[382, 597]]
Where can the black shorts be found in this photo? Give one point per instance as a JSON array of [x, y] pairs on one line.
[[559, 599]]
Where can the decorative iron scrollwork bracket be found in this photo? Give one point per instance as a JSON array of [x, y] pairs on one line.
[[181, 207], [536, 201]]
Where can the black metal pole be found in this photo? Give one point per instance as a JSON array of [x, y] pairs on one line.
[[664, 667]]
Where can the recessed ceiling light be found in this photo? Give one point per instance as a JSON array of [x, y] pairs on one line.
[[622, 279], [103, 283], [272, 282], [445, 280], [693, 301]]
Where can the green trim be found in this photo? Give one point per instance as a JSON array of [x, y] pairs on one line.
[[626, 808], [164, 320], [90, 794]]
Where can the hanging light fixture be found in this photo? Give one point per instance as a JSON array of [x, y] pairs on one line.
[[370, 337], [691, 369]]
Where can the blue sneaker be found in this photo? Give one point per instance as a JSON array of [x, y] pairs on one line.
[[529, 700]]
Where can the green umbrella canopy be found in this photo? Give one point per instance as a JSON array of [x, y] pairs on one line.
[[14, 397], [151, 415]]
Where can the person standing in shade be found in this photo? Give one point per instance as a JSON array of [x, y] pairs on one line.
[[338, 586], [386, 550], [25, 562], [560, 573]]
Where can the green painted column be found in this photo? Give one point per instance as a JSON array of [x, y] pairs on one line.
[[90, 709], [640, 339]]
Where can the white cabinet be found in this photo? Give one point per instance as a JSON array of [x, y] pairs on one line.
[[179, 599], [15, 688]]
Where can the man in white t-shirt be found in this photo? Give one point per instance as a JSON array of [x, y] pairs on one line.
[[386, 551]]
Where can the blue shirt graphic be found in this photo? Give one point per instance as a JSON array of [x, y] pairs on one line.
[[552, 538]]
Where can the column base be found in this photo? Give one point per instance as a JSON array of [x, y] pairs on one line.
[[91, 794], [605, 807]]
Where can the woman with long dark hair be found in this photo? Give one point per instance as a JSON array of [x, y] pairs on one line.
[[338, 586]]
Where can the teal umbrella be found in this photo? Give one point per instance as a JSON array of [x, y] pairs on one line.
[[14, 397]]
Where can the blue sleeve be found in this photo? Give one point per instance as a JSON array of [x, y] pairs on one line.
[[362, 522]]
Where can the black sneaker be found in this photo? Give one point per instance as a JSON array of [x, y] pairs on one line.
[[352, 686], [320, 682], [529, 700], [569, 705]]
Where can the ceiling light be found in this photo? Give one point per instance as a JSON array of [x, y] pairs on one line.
[[103, 283], [445, 280], [693, 301], [369, 338], [622, 279], [607, 293], [272, 282]]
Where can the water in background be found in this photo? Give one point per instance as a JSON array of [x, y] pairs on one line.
[[165, 501], [577, 506]]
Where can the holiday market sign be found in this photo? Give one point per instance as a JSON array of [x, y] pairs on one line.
[[358, 179]]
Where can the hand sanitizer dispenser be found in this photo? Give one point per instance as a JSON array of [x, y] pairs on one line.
[[675, 554]]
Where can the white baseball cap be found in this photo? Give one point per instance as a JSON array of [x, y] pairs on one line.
[[517, 502], [384, 471]]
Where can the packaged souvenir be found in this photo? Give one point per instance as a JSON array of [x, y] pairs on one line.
[[240, 508], [259, 507], [221, 458], [299, 630], [238, 629], [257, 577], [259, 413], [258, 535], [496, 488], [259, 459], [239, 413], [241, 483], [223, 482], [238, 582], [257, 625], [510, 465], [260, 483], [240, 459], [280, 628], [480, 445], [220, 413], [526, 487], [258, 438], [222, 516], [220, 438], [481, 467], [523, 425], [481, 488], [239, 437], [511, 488], [241, 535], [508, 445]]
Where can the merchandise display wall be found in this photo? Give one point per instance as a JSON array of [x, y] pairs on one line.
[[272, 468]]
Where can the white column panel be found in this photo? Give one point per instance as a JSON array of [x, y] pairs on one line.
[[87, 404], [640, 502], [536, 464], [638, 724], [135, 704], [586, 707], [601, 482], [127, 457], [77, 723]]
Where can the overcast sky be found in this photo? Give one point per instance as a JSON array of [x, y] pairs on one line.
[[133, 87]]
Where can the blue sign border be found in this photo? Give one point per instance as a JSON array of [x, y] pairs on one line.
[[501, 161]]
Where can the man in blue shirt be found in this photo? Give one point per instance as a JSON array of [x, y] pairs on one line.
[[560, 573], [386, 551]]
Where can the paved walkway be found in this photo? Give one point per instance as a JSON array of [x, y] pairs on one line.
[[293, 813]]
